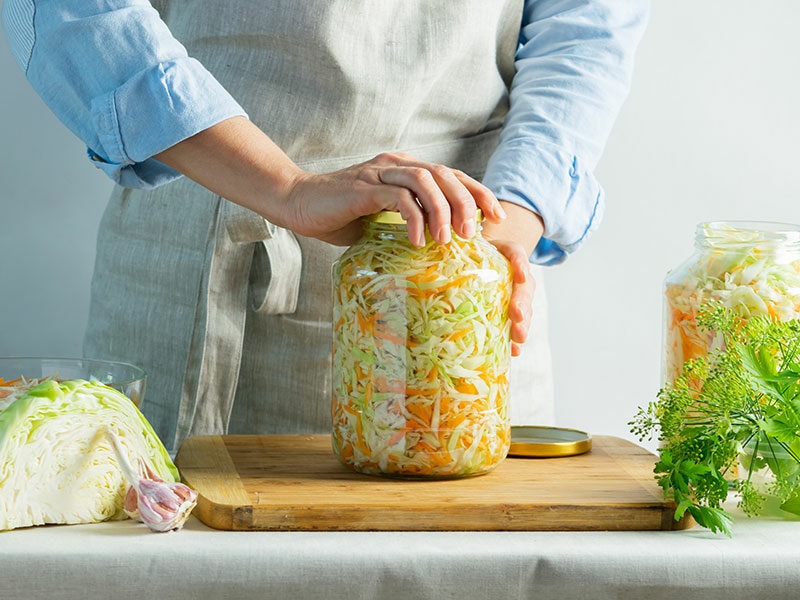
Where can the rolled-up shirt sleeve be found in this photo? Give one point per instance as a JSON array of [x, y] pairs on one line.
[[112, 72], [573, 72]]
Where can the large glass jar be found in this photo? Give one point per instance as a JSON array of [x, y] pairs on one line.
[[421, 354], [752, 268]]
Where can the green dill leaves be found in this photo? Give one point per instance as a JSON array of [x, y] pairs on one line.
[[731, 416]]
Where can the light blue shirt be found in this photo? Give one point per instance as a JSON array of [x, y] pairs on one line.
[[143, 94]]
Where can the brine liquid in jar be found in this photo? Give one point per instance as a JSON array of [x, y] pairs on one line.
[[753, 268], [421, 354]]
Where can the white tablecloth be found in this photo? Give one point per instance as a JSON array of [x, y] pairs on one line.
[[123, 559]]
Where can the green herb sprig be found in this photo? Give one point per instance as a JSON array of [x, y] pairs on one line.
[[740, 400]]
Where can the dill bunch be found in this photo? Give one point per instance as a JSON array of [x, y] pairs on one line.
[[738, 403]]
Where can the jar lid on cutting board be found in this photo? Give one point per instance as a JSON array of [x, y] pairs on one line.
[[546, 442]]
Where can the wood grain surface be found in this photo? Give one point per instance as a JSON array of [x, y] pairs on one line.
[[294, 482]]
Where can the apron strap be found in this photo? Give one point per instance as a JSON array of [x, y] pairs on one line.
[[275, 273], [244, 244]]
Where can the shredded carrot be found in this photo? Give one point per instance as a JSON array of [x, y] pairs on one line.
[[10, 386]]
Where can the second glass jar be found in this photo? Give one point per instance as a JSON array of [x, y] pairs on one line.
[[421, 354], [753, 268]]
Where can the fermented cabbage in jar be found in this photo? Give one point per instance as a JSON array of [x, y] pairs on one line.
[[753, 268], [421, 354]]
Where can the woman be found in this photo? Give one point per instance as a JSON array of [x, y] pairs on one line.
[[291, 120]]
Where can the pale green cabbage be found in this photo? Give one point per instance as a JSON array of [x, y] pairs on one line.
[[57, 463]]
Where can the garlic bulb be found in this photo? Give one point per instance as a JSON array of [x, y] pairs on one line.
[[161, 505]]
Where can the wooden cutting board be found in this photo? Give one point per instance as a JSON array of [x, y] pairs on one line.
[[294, 482]]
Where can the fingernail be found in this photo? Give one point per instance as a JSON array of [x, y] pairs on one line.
[[422, 238], [444, 234], [500, 212], [469, 228]]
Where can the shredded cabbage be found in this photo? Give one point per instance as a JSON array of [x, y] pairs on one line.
[[57, 463], [742, 272], [421, 357]]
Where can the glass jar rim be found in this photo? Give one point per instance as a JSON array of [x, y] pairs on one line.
[[747, 233], [393, 217]]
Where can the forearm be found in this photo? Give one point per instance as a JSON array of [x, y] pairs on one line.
[[238, 161]]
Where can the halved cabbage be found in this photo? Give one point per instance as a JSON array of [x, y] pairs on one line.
[[57, 463]]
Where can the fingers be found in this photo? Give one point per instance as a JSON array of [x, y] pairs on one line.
[[483, 196], [444, 197], [427, 195], [401, 199], [520, 309], [430, 203]]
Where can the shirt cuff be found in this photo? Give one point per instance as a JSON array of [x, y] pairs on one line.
[[152, 111], [544, 178]]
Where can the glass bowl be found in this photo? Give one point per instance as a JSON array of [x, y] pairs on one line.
[[128, 379]]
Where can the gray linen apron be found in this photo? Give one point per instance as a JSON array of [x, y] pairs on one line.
[[229, 314]]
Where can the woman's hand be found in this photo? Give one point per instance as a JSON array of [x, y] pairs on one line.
[[520, 310], [328, 206], [516, 238]]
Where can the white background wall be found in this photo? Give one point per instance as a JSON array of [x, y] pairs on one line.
[[710, 132]]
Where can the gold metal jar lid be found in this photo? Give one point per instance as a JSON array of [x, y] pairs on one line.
[[547, 442], [392, 217]]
